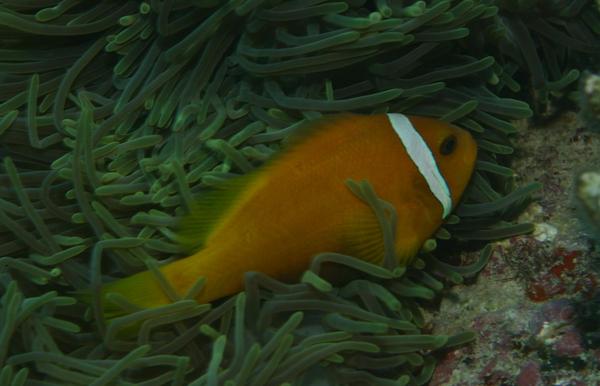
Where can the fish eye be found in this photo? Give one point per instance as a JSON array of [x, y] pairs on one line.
[[448, 146]]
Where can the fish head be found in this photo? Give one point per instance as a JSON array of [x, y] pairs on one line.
[[454, 150]]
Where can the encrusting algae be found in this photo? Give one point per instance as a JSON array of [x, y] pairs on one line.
[[116, 115]]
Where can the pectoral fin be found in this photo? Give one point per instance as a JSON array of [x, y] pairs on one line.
[[363, 238]]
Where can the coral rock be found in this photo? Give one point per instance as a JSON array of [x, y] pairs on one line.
[[530, 375]]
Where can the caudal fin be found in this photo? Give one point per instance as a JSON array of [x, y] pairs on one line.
[[141, 290]]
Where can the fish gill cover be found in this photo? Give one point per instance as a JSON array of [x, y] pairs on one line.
[[114, 115]]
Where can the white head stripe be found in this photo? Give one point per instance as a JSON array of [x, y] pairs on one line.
[[421, 155]]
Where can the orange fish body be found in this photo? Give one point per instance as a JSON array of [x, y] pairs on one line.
[[298, 205]]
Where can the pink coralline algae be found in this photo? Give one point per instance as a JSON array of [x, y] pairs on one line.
[[530, 375], [569, 344], [556, 333], [562, 279]]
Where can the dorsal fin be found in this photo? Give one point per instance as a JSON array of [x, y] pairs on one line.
[[308, 128], [206, 212]]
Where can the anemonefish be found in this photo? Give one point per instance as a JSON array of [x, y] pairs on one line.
[[275, 219]]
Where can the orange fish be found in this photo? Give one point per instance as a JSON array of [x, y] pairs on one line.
[[275, 219]]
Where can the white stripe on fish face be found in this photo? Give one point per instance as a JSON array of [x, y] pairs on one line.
[[421, 155]]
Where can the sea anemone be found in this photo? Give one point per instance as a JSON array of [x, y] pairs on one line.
[[114, 115]]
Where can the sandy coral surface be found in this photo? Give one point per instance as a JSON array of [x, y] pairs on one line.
[[526, 305]]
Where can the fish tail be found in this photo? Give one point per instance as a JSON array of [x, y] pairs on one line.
[[144, 290], [141, 290]]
